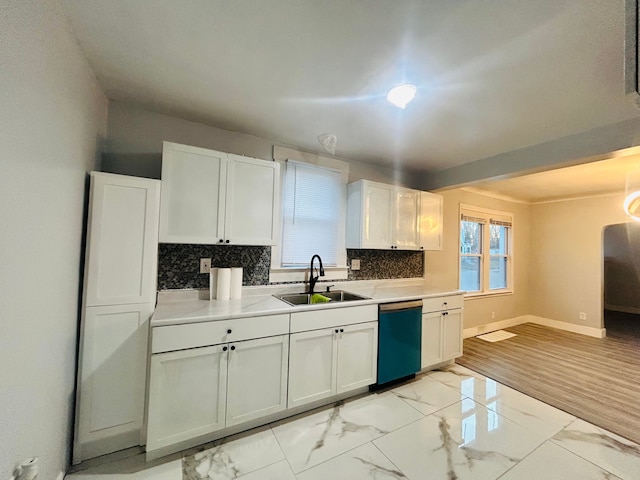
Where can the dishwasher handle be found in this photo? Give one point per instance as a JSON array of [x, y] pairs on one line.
[[398, 306]]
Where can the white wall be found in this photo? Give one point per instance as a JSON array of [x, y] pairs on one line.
[[53, 123], [442, 270], [567, 257]]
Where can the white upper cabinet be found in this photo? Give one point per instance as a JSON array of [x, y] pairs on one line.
[[430, 221], [381, 216], [376, 215], [406, 217], [251, 201], [211, 197], [122, 240], [193, 194]]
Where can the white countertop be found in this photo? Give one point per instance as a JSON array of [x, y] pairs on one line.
[[188, 306]]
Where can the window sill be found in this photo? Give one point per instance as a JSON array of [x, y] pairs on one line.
[[496, 293], [277, 275]]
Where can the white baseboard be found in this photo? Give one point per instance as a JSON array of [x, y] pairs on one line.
[[547, 322], [569, 327], [493, 326]]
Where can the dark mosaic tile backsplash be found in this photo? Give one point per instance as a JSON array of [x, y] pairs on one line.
[[381, 264], [178, 264]]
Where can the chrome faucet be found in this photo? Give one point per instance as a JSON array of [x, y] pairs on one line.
[[312, 279]]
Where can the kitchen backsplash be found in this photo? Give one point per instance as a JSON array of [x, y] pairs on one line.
[[178, 264], [382, 264]]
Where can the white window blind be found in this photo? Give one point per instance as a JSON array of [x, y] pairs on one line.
[[312, 206]]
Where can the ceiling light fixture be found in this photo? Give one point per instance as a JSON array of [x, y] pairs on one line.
[[401, 95], [632, 205]]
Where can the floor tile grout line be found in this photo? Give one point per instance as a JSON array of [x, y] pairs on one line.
[[521, 460], [606, 432], [282, 450], [390, 461], [564, 447]]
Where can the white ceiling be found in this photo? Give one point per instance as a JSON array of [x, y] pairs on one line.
[[492, 76], [621, 173]]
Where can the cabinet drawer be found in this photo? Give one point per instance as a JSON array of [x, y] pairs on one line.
[[333, 317], [179, 337], [442, 303]]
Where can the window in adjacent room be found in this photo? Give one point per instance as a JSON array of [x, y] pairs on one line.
[[486, 249], [313, 222]]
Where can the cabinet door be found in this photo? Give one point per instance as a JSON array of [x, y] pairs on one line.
[[406, 215], [451, 334], [357, 356], [187, 395], [312, 366], [122, 243], [431, 339], [377, 217], [257, 378], [193, 193], [251, 201], [430, 221], [111, 376]]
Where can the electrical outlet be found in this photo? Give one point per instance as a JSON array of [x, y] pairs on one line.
[[205, 265], [355, 264], [493, 315], [582, 316]]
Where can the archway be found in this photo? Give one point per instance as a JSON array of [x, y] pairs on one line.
[[621, 250]]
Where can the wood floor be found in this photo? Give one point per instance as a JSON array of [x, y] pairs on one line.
[[597, 380]]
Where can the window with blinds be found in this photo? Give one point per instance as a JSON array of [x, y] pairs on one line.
[[313, 214], [486, 239]]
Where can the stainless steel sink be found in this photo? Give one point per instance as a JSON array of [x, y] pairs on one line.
[[305, 298]]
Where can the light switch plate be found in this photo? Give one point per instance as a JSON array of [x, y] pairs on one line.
[[205, 265], [355, 264]]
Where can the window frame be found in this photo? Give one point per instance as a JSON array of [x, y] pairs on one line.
[[279, 273], [485, 249]]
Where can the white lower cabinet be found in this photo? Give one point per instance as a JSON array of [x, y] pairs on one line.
[[187, 394], [313, 363], [441, 330], [431, 339], [357, 356], [451, 334], [331, 361], [257, 378], [197, 391], [113, 356]]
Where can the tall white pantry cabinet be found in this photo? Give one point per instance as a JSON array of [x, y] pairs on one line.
[[118, 300]]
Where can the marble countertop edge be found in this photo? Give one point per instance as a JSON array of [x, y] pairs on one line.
[[193, 306]]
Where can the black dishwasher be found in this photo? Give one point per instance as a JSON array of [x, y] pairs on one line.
[[399, 340]]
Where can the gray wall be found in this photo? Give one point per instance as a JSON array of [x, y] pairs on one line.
[[52, 125], [135, 136]]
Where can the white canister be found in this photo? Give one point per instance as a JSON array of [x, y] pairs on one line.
[[236, 282], [213, 283], [223, 289]]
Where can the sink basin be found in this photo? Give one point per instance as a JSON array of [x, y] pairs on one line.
[[334, 297]]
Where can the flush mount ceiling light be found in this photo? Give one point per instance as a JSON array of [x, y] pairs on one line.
[[401, 95], [632, 205]]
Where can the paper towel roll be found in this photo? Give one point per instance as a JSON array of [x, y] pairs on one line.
[[213, 283], [236, 282], [223, 289]]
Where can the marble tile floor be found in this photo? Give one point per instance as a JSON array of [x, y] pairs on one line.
[[452, 424]]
